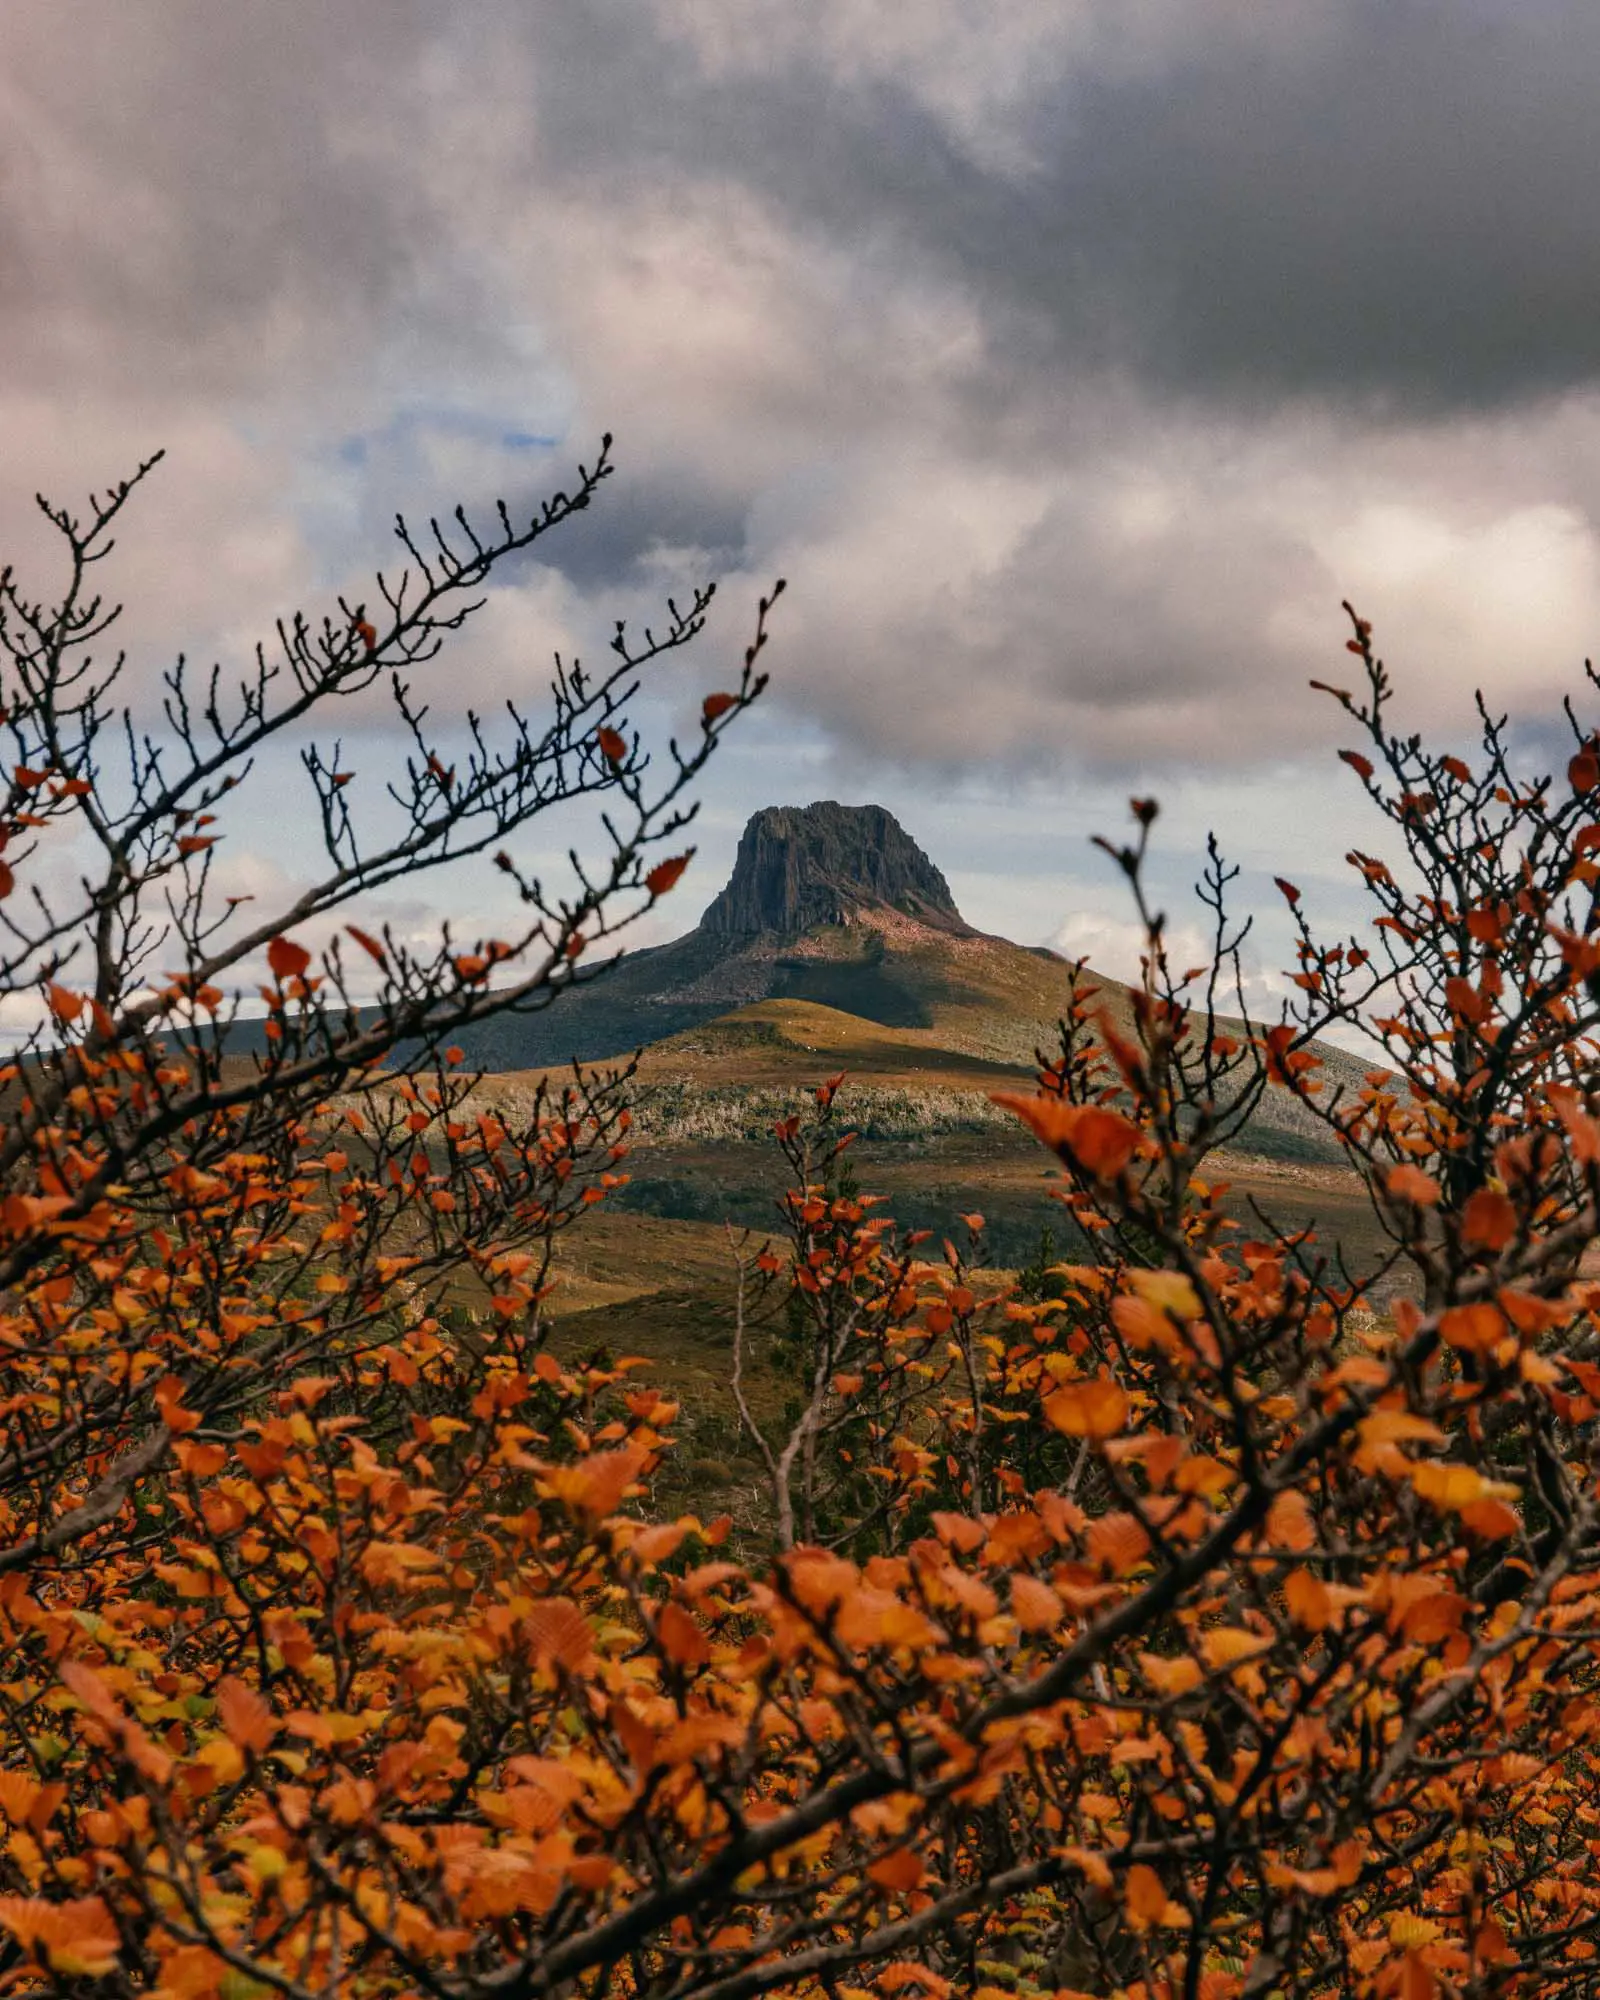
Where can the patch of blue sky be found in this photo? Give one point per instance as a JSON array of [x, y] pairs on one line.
[[415, 423], [422, 457]]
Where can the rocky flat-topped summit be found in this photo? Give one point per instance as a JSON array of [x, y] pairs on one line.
[[803, 866]]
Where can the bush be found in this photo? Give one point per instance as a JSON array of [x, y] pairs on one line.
[[1177, 1628]]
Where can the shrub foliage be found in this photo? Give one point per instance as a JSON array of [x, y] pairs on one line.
[[1181, 1626]]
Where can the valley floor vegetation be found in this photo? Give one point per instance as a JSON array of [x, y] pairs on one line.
[[1169, 1624]]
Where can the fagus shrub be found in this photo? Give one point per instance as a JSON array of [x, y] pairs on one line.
[[1179, 1627]]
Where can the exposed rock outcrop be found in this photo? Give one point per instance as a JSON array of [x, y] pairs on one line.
[[800, 866]]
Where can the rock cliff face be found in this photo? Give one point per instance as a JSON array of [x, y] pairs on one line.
[[800, 866]]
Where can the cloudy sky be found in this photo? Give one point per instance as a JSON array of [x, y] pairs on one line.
[[1071, 358]]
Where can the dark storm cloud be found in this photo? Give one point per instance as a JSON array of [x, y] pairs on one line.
[[1388, 200]]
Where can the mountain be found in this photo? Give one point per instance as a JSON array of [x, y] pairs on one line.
[[836, 933], [830, 904]]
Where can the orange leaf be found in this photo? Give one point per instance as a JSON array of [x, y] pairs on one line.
[[1488, 1219], [1453, 1487], [1477, 1329], [596, 1484], [86, 1685], [1144, 1896], [1143, 1325], [1095, 1409], [653, 1545], [247, 1718], [665, 874], [1409, 1183], [1491, 1520], [64, 1005], [680, 1638], [1118, 1542], [1310, 1605], [1101, 1142], [558, 1633], [1289, 1522], [1226, 1645], [901, 1973], [78, 1938], [1582, 1130], [899, 1871], [287, 959], [1034, 1605], [18, 1796], [1434, 1617]]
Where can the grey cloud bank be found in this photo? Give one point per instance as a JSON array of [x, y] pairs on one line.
[[1072, 359]]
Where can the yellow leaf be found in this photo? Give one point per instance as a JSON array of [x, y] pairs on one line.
[[1453, 1487], [1409, 1931], [1169, 1291]]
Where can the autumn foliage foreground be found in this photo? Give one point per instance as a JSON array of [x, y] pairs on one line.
[[1194, 1628]]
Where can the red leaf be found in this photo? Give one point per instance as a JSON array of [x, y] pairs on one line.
[[612, 745], [1362, 766], [717, 704], [1291, 895], [369, 945], [665, 874], [287, 959], [64, 1005], [1583, 773], [8, 881]]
